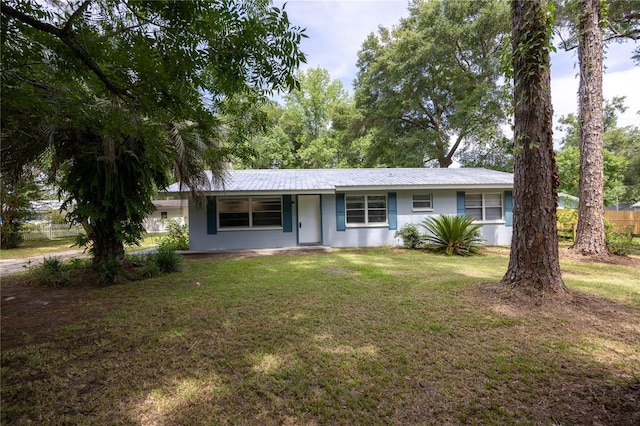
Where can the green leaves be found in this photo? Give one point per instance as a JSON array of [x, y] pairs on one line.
[[122, 94], [431, 85], [314, 127], [452, 235], [621, 155]]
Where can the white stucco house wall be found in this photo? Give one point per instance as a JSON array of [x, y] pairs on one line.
[[342, 207], [177, 210]]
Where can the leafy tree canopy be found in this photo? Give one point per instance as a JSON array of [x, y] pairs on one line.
[[621, 155], [432, 84], [314, 127], [121, 92]]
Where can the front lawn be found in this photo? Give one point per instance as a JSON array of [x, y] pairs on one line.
[[354, 337]]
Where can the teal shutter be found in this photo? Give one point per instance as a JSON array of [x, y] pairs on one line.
[[392, 206], [340, 212], [460, 203], [212, 220], [508, 208], [287, 217]]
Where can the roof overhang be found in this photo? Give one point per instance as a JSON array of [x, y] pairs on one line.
[[421, 187]]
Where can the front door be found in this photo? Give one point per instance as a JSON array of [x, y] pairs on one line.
[[309, 230]]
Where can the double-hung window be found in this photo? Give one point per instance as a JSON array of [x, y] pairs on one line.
[[422, 202], [249, 212], [366, 209], [485, 207]]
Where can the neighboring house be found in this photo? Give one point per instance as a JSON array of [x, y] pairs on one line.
[[628, 207], [636, 207], [165, 210], [343, 207], [41, 210], [566, 201]]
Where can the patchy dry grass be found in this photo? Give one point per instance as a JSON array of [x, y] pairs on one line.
[[382, 336]]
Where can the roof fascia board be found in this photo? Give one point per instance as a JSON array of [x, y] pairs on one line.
[[356, 189], [422, 187], [272, 192]]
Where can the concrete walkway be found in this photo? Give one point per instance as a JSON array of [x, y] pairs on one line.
[[15, 266]]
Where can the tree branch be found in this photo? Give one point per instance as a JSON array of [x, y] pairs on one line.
[[121, 30], [455, 146], [633, 34], [414, 123], [67, 27], [68, 38], [565, 45], [462, 58], [32, 22]]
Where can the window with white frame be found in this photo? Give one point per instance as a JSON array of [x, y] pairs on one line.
[[249, 212], [422, 202], [486, 207], [366, 209]]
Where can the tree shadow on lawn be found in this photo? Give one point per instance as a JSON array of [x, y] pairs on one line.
[[495, 357], [598, 357]]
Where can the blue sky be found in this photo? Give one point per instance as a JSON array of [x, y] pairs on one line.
[[337, 29]]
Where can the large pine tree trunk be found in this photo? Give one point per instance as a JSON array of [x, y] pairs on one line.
[[534, 259], [590, 235]]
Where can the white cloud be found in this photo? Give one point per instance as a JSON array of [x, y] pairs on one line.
[[337, 29]]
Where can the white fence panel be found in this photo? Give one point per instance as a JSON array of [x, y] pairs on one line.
[[48, 231]]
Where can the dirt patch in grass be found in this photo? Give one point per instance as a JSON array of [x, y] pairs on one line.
[[630, 260], [338, 271], [31, 313]]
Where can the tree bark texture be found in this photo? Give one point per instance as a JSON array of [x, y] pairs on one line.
[[590, 234], [533, 261], [106, 244]]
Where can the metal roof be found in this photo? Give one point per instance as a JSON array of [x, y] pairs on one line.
[[331, 180]]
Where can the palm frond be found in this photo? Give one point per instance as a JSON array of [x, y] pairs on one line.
[[452, 235]]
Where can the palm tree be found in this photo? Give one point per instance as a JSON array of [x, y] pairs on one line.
[[452, 235]]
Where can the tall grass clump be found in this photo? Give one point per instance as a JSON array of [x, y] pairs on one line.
[[53, 272], [167, 261], [452, 235]]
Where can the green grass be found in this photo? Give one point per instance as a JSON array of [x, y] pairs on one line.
[[39, 248], [149, 241], [380, 336]]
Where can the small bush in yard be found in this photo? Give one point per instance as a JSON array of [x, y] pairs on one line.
[[618, 243], [51, 272], [52, 264], [177, 237], [452, 235], [410, 236]]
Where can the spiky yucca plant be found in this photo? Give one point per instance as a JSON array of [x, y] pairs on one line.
[[452, 235]]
